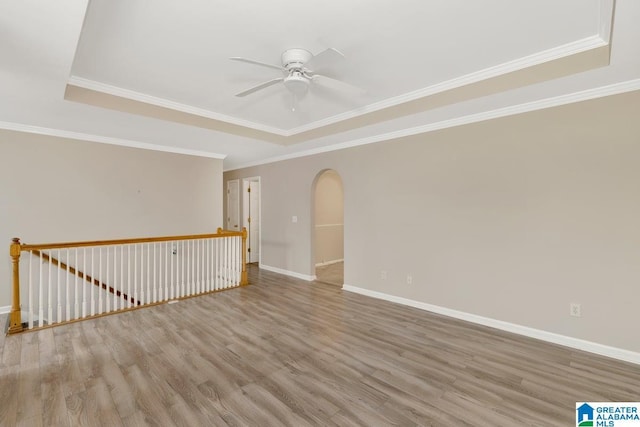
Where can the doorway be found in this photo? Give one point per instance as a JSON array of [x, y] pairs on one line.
[[328, 230], [251, 216]]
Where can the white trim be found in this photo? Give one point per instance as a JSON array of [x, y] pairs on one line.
[[592, 347], [335, 261], [585, 95], [5, 309], [568, 49], [20, 127], [171, 105], [605, 20], [578, 46], [306, 277]]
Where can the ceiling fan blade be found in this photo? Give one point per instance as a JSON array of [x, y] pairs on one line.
[[324, 59], [251, 61], [338, 85], [260, 86]]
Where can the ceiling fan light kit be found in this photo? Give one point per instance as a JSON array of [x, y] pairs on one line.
[[297, 83]]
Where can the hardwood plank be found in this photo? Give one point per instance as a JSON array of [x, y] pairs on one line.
[[289, 352], [8, 395]]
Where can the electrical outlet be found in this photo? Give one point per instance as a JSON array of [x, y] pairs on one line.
[[575, 309], [383, 275], [409, 279]]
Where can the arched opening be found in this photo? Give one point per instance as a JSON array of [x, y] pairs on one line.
[[328, 224]]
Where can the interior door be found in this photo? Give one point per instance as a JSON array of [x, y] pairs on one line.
[[233, 205], [251, 217]]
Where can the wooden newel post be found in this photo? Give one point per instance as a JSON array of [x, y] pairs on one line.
[[15, 318], [244, 279]]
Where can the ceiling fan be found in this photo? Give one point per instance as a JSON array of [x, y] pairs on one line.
[[300, 70]]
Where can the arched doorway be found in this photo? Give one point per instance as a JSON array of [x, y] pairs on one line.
[[328, 242]]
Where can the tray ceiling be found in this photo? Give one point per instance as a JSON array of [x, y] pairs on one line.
[[159, 74]]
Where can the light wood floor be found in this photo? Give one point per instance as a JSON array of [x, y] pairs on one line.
[[287, 352], [332, 274]]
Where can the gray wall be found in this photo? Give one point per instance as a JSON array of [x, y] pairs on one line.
[[510, 219], [57, 190]]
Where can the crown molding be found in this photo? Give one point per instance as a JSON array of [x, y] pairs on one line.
[[171, 105], [558, 52], [20, 127], [578, 46], [585, 95]]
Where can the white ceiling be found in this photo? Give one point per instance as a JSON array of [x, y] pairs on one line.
[[158, 75]]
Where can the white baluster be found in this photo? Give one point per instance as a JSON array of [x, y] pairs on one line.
[[135, 274], [91, 283], [208, 241], [229, 261], [170, 259], [155, 282], [219, 244], [189, 259], [217, 265], [68, 302], [84, 278], [182, 284], [100, 278], [226, 262], [117, 286], [234, 259], [59, 285], [166, 270], [234, 254], [145, 295], [223, 245], [207, 266], [49, 297], [76, 291], [198, 275], [30, 290], [201, 274], [205, 251], [148, 281], [129, 275], [121, 285], [239, 259], [173, 273], [108, 283], [40, 296]]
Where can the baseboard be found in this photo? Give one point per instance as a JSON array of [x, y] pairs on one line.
[[335, 261], [306, 277], [579, 344], [5, 309]]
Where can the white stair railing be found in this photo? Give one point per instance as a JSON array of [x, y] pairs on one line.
[[71, 281]]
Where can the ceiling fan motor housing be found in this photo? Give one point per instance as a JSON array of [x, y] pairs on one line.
[[295, 58]]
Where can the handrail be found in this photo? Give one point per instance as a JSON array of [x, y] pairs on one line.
[[16, 248], [40, 246]]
